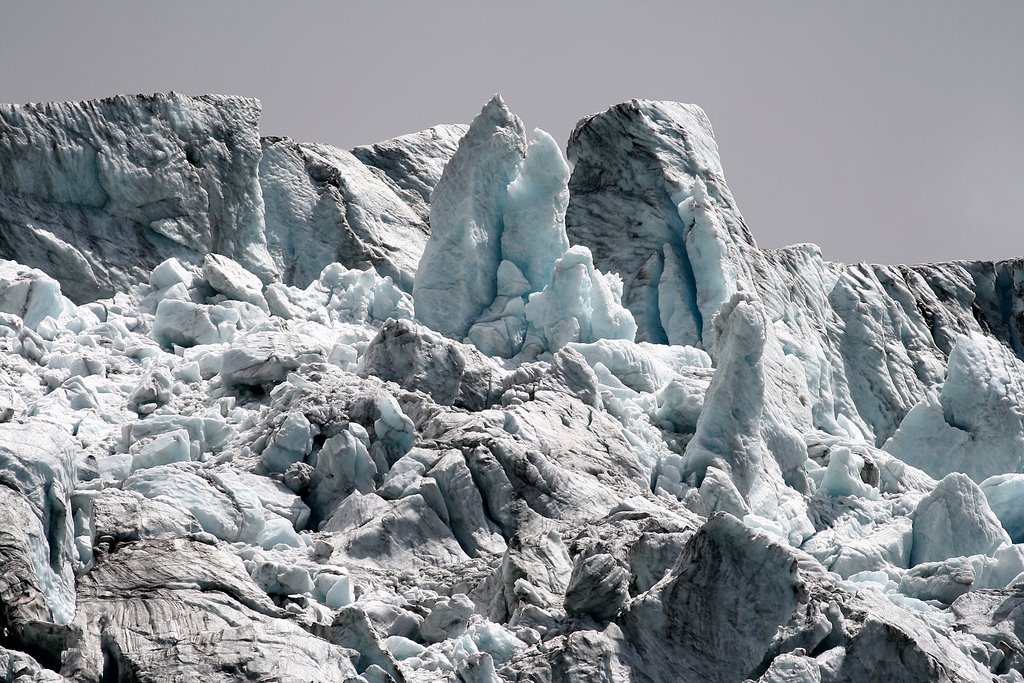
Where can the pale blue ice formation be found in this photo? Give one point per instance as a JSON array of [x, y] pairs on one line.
[[498, 239], [585, 430], [31, 295], [533, 236], [976, 423], [580, 305], [457, 276], [753, 437]]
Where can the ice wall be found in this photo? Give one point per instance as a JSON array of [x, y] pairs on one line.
[[102, 191], [648, 197], [324, 206], [414, 162]]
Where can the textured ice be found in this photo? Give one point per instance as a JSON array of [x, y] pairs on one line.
[[754, 436], [1005, 493], [39, 475], [954, 520], [456, 278], [533, 236], [653, 166], [271, 454], [976, 425], [580, 305], [498, 240], [324, 206], [104, 190], [414, 162], [31, 295]]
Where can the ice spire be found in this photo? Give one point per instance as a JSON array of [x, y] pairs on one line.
[[457, 276]]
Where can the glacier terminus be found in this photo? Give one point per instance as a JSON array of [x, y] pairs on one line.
[[463, 406]]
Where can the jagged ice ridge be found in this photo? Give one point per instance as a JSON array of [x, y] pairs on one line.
[[456, 407]]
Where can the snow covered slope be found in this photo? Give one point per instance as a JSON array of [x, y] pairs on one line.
[[580, 429]]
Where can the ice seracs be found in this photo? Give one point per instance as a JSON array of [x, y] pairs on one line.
[[647, 187], [976, 423], [456, 278], [753, 438], [31, 296], [326, 468], [324, 206], [498, 247]]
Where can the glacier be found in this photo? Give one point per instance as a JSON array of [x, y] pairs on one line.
[[456, 406]]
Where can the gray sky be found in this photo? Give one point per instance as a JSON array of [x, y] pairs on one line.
[[883, 131]]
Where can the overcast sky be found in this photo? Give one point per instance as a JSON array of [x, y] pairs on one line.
[[883, 131]]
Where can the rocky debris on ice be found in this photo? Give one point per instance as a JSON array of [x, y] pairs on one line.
[[419, 359], [346, 474]]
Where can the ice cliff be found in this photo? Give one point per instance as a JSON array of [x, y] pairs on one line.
[[455, 406]]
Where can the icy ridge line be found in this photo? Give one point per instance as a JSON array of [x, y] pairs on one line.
[[456, 407]]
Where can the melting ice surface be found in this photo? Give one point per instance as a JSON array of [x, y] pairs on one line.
[[586, 430]]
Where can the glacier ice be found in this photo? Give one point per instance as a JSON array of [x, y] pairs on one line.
[[580, 305], [976, 423], [456, 278], [31, 295], [449, 407], [323, 206], [112, 187], [954, 519], [414, 162], [533, 234], [498, 241]]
